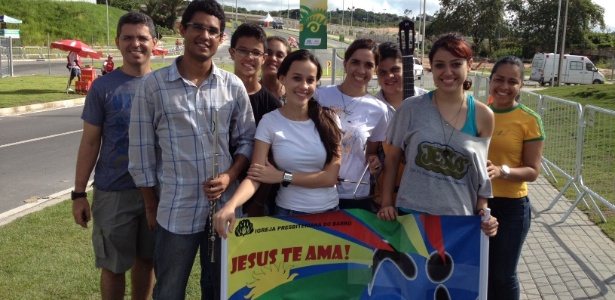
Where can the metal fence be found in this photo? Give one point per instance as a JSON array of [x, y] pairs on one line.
[[6, 56]]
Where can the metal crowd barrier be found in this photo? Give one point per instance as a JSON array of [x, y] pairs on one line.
[[596, 158], [481, 88]]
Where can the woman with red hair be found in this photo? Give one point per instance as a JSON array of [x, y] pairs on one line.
[[444, 137]]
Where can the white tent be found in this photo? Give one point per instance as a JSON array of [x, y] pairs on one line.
[[267, 18]]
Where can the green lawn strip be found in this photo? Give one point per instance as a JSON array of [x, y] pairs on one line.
[[45, 255]]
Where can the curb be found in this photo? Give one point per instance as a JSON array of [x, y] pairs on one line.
[[40, 106], [18, 212]]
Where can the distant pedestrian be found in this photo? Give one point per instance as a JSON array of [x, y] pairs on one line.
[[108, 65], [74, 67]]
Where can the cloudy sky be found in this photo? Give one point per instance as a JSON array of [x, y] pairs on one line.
[[389, 6]]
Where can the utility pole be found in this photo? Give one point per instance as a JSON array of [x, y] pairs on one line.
[[559, 13], [561, 53]]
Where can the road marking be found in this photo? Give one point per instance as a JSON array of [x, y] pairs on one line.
[[41, 138]]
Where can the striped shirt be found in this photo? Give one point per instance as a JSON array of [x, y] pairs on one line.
[[171, 140]]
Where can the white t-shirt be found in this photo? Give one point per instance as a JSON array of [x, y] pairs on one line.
[[363, 118], [296, 147]]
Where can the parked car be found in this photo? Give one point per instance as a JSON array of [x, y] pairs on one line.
[[418, 69]]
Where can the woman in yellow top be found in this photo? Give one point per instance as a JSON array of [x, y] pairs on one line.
[[514, 158]]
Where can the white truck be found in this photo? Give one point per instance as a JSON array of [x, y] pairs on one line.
[[575, 69]]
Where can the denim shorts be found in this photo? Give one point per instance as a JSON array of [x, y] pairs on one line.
[[120, 232]]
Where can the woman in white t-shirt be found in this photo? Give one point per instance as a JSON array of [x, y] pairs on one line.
[[364, 121], [305, 141]]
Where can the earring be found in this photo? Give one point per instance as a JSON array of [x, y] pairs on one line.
[[467, 84]]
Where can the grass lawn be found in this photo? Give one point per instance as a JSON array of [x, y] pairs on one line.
[[45, 255]]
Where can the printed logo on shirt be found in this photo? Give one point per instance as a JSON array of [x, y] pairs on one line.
[[442, 159]]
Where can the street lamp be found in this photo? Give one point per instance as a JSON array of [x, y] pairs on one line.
[[351, 15], [343, 15], [108, 39]]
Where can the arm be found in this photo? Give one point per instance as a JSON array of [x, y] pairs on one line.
[[246, 189], [485, 120], [151, 205], [391, 167], [529, 170], [86, 159], [267, 173], [217, 186], [371, 157], [142, 138]]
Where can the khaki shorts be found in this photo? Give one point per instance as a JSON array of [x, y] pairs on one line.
[[120, 232]]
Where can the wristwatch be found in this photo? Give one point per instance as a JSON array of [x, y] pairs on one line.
[[288, 177], [506, 170], [74, 195]]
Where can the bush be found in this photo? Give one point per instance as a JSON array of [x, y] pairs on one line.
[[341, 39], [514, 51]]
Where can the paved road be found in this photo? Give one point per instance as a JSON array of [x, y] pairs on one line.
[[37, 154]]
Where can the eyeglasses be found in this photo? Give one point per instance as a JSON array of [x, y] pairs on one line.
[[200, 28], [279, 54], [244, 52]]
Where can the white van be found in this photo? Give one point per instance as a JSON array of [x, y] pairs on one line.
[[575, 69]]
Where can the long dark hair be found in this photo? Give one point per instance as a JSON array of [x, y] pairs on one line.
[[323, 118]]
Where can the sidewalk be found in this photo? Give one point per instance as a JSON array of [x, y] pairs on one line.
[[569, 260]]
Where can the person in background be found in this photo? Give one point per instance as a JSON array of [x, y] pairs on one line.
[[121, 239], [514, 159], [108, 65], [431, 132], [364, 121], [305, 140], [172, 154], [248, 51], [277, 49], [391, 80], [74, 67]]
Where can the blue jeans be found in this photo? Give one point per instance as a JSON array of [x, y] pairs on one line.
[[514, 217], [173, 260], [280, 211]]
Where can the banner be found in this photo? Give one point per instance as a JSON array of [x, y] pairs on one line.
[[313, 24], [350, 254]]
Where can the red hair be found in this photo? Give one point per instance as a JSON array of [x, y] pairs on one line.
[[455, 43]]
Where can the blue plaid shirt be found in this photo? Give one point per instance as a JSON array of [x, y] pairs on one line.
[[171, 140]]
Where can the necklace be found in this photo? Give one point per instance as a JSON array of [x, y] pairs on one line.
[[347, 109], [446, 152]]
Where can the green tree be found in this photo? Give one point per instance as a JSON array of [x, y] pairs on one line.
[[533, 23], [126, 5], [480, 20]]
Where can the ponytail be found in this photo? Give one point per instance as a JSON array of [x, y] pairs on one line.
[[328, 129]]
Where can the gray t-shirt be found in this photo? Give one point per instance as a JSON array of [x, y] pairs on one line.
[[108, 105], [434, 182]]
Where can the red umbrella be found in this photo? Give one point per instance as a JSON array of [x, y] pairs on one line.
[[77, 46], [160, 51]]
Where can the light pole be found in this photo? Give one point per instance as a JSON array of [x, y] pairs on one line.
[[343, 15], [108, 39], [559, 12], [236, 10], [351, 16], [561, 53]]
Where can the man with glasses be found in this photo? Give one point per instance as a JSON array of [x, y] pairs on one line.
[[174, 120], [121, 238], [248, 51]]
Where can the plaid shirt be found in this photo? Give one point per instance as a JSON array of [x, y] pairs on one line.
[[171, 140]]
